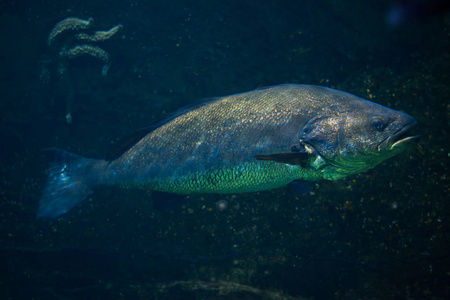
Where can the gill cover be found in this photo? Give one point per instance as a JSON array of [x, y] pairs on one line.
[[322, 133]]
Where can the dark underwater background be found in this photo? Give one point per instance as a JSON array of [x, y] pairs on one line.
[[382, 234]]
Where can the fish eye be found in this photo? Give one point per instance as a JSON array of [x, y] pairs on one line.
[[307, 130], [377, 123]]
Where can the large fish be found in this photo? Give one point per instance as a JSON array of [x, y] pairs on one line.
[[253, 141]]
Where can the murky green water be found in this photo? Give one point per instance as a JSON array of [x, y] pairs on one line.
[[383, 234]]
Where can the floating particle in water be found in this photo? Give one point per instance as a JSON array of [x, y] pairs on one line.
[[222, 205]]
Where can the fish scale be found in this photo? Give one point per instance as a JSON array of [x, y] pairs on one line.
[[223, 160]]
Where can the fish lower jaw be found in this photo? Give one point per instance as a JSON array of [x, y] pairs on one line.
[[404, 142]]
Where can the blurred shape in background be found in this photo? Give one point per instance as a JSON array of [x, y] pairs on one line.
[[403, 11]]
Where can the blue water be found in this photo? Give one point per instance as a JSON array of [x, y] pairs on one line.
[[383, 234]]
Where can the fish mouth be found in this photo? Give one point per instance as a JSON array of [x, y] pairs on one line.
[[400, 140]]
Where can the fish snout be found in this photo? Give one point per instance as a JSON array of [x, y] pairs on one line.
[[401, 139]]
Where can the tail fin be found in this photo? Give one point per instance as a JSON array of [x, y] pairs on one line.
[[67, 184]]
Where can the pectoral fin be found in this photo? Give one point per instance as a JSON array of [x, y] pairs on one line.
[[292, 158]]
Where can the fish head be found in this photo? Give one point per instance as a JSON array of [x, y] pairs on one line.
[[357, 138]]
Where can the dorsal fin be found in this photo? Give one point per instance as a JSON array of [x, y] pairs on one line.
[[126, 143], [130, 140]]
